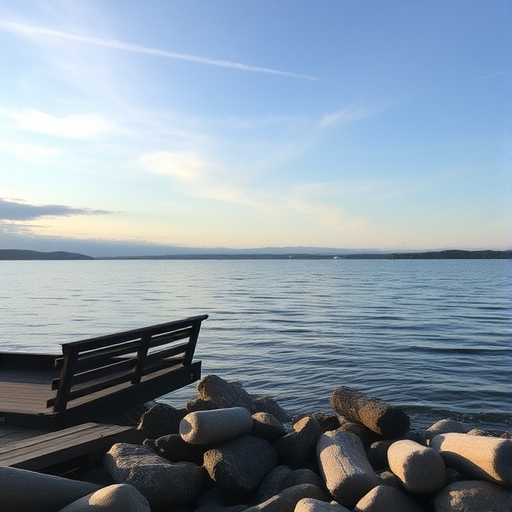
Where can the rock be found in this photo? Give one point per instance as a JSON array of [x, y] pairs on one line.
[[174, 449], [265, 403], [364, 433], [298, 447], [327, 421], [375, 414], [386, 499], [163, 483], [225, 394], [345, 467], [28, 491], [288, 499], [198, 404], [111, 499], [480, 457], [160, 420], [214, 500], [473, 496], [267, 426], [378, 454], [216, 426], [444, 426], [241, 464], [313, 505], [273, 483], [302, 476], [418, 468]]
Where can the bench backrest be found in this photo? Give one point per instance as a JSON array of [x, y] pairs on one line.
[[97, 364]]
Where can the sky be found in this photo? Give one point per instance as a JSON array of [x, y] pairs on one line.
[[131, 127]]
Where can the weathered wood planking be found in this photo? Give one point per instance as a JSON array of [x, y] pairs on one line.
[[47, 450]]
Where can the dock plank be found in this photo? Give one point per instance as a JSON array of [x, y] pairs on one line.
[[43, 451]]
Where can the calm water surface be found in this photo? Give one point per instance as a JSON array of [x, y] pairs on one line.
[[433, 337]]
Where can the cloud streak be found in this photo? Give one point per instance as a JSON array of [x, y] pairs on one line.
[[18, 211], [84, 126], [32, 31]]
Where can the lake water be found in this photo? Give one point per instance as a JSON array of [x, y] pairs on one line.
[[431, 336]]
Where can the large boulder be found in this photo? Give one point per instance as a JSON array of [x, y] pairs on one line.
[[418, 468], [473, 496], [266, 403], [240, 465], [480, 457], [160, 420], [298, 446], [28, 491], [113, 498], [215, 426], [384, 498], [267, 426], [223, 393], [163, 483], [378, 416], [345, 467], [174, 449]]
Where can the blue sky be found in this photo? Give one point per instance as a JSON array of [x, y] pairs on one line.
[[132, 126]]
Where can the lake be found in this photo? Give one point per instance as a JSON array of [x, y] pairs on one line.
[[431, 336]]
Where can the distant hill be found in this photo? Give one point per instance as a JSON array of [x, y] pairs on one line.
[[453, 254], [19, 254]]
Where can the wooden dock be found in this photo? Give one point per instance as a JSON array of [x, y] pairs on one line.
[[59, 407]]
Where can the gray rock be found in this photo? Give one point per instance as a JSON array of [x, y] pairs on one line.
[[111, 499], [480, 457], [28, 491], [160, 420], [272, 484], [302, 476], [443, 427], [265, 403], [345, 467], [174, 449], [473, 496], [198, 404], [386, 499], [163, 483], [363, 432], [418, 468], [241, 464], [378, 454], [216, 426], [298, 447], [267, 426], [375, 414], [287, 500], [313, 505], [225, 394], [327, 421]]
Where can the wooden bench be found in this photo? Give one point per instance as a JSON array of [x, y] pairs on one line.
[[95, 378]]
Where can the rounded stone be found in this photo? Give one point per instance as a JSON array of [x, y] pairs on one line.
[[418, 468]]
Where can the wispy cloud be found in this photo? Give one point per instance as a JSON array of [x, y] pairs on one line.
[[79, 126], [11, 210], [32, 31], [346, 116], [32, 153]]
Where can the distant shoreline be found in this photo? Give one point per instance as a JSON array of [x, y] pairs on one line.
[[27, 255]]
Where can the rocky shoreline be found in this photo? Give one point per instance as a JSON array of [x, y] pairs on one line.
[[230, 451]]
